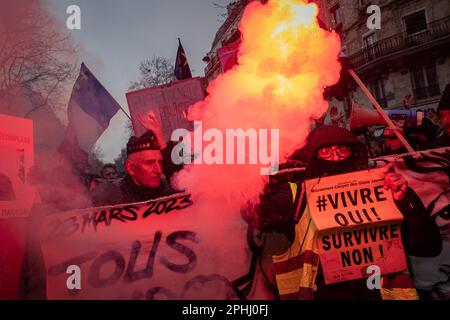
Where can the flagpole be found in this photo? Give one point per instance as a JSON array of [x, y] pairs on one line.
[[124, 112], [381, 112]]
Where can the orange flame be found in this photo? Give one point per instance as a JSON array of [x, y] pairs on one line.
[[285, 60]]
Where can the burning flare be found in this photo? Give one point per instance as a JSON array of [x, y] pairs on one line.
[[284, 62]]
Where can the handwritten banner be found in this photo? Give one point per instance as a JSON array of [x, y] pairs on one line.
[[346, 254], [169, 103], [358, 225], [349, 200], [159, 249]]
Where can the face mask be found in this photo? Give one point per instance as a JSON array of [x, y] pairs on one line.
[[321, 167]]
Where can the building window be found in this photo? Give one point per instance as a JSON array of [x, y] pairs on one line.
[[369, 43], [364, 3], [415, 22], [335, 13], [377, 89], [425, 81]]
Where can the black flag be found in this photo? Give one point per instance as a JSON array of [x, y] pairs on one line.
[[345, 85], [182, 70]]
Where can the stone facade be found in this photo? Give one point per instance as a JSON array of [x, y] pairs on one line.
[[406, 61], [228, 32], [408, 55]]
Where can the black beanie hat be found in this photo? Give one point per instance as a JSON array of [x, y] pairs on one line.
[[145, 142], [444, 104]]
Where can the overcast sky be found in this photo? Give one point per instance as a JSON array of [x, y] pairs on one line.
[[116, 35]]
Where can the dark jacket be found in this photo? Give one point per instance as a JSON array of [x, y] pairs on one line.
[[420, 234], [443, 140], [134, 193], [129, 192]]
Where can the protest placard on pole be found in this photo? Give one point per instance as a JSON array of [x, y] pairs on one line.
[[158, 249], [17, 152], [16, 198], [169, 103], [358, 225]]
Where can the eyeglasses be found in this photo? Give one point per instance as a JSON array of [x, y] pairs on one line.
[[341, 151]]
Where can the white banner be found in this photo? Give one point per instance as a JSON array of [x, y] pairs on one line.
[[159, 249]]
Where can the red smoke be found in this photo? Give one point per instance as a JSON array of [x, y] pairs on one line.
[[285, 60]]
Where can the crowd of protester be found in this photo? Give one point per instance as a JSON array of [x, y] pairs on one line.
[[330, 150], [427, 129]]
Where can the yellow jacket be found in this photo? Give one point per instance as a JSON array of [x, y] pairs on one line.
[[297, 268]]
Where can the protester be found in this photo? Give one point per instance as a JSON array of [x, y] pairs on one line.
[[6, 189], [62, 187], [148, 159], [423, 135], [109, 172], [393, 145], [329, 151], [143, 180], [420, 133], [337, 117], [106, 189]]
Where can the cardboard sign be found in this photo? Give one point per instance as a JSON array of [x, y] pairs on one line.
[[347, 253], [17, 152], [160, 249], [358, 225], [349, 200], [169, 103]]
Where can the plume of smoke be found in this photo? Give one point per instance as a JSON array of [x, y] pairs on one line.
[[38, 64], [285, 60]]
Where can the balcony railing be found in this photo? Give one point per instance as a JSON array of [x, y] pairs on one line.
[[401, 41], [212, 64]]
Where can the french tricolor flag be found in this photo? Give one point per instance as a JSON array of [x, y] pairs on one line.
[[91, 107]]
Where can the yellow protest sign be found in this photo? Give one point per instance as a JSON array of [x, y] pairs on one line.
[[349, 200], [358, 225], [346, 254]]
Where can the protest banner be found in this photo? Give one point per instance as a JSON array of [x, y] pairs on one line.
[[17, 151], [158, 249], [358, 225], [169, 103], [16, 198], [428, 174]]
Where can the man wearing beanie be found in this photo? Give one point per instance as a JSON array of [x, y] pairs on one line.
[[149, 156], [443, 110]]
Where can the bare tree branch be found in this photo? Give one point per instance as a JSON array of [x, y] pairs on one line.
[[34, 56], [223, 12], [153, 72]]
